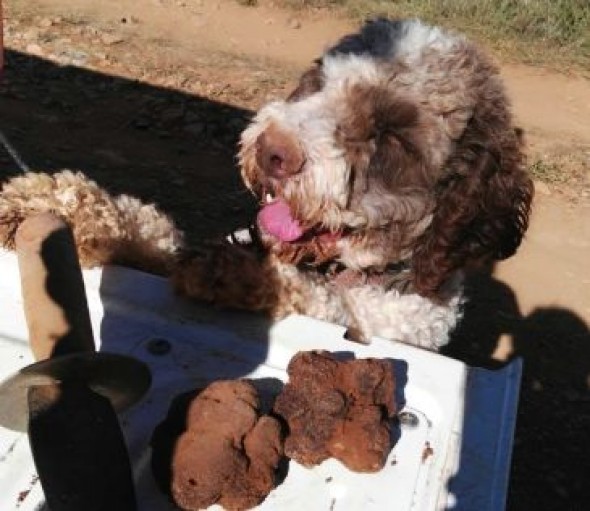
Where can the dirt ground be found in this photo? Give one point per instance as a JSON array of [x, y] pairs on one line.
[[148, 98]]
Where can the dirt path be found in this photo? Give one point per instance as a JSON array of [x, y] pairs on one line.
[[192, 71], [553, 267]]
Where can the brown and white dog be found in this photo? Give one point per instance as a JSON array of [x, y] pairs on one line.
[[390, 169]]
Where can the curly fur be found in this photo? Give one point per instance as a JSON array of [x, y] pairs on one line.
[[119, 230], [395, 150]]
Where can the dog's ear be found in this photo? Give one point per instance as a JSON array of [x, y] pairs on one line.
[[310, 82], [482, 212]]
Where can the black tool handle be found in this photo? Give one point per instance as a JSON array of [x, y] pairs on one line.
[[79, 451]]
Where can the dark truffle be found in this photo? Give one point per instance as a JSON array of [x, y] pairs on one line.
[[227, 455], [338, 409]]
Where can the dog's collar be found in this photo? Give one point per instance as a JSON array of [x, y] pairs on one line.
[[394, 275]]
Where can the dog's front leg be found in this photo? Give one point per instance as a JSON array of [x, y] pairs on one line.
[[232, 276]]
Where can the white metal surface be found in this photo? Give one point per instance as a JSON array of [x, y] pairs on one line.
[[129, 309]]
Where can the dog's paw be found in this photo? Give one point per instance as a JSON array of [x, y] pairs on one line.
[[192, 274], [227, 275]]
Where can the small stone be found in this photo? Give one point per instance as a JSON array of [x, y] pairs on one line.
[[110, 39], [294, 23], [46, 23], [34, 49], [74, 57]]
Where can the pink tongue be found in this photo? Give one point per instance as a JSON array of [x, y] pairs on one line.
[[276, 219]]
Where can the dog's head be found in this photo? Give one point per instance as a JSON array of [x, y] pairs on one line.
[[388, 152]]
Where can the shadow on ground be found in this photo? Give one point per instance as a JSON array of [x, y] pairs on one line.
[[161, 145], [550, 463]]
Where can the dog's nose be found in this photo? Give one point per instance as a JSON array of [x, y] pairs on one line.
[[279, 154]]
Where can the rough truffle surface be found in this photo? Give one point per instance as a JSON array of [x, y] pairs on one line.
[[228, 454], [338, 409]]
